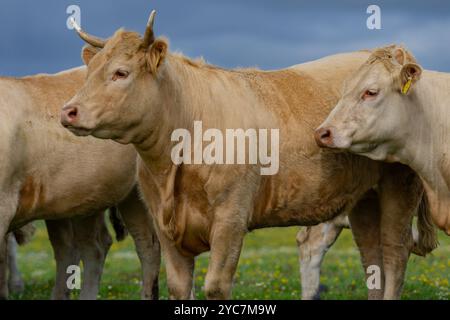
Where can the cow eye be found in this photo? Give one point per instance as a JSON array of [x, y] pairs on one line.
[[120, 75], [370, 94]]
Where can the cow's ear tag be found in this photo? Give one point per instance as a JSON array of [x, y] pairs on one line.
[[407, 86]]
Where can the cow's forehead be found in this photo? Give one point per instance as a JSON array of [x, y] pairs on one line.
[[124, 45], [368, 75]]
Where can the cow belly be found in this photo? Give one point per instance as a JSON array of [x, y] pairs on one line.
[[294, 198], [303, 215], [38, 200]]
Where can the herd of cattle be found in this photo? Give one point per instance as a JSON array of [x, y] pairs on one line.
[[113, 150]]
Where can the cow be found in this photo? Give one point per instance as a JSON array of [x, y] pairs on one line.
[[315, 241], [71, 239], [137, 92], [392, 110], [47, 173]]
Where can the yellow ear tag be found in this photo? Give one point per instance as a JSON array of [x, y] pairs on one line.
[[407, 86]]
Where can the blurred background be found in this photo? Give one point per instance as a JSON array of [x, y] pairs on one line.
[[268, 34]]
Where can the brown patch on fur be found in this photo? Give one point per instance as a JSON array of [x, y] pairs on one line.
[[31, 195]]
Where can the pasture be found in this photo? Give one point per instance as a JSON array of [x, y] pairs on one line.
[[268, 269]]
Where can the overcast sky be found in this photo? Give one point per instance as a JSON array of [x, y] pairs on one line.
[[231, 33]]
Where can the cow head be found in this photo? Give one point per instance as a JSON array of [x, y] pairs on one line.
[[123, 76], [373, 110]]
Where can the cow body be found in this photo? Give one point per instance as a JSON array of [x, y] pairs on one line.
[[45, 157], [139, 93], [310, 187], [49, 174]]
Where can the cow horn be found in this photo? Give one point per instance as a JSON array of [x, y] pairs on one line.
[[149, 36], [92, 40]]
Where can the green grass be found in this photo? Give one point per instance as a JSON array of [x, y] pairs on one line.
[[268, 269]]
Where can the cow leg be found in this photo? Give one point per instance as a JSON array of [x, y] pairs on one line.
[[94, 241], [400, 195], [15, 281], [140, 225], [65, 251], [179, 270], [226, 244], [8, 206], [313, 243], [365, 226]]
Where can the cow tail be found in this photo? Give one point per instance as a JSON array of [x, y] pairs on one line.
[[118, 224], [428, 240]]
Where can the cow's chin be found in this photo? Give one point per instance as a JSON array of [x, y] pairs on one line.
[[79, 131], [112, 135], [373, 151], [103, 134], [362, 147]]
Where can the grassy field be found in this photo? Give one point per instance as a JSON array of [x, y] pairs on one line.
[[268, 269]]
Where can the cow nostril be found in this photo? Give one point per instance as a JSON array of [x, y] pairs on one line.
[[323, 137], [69, 115], [72, 114], [325, 134]]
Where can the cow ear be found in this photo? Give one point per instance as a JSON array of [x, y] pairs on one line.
[[400, 56], [410, 74], [88, 52], [156, 55]]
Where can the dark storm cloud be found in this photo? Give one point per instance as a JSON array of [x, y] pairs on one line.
[[265, 33]]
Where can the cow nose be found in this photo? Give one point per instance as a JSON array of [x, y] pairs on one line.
[[69, 115], [324, 137]]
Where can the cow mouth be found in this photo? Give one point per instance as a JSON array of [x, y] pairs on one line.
[[78, 131], [364, 147]]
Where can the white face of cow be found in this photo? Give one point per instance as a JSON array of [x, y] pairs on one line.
[[372, 115]]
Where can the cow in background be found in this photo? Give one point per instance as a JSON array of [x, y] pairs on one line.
[[47, 173]]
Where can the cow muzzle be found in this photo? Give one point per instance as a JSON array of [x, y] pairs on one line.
[[324, 137], [69, 115], [70, 119]]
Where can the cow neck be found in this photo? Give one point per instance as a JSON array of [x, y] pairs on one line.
[[426, 144], [181, 103], [184, 97]]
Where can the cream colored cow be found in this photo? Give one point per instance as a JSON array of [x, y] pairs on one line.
[[47, 173], [314, 242]]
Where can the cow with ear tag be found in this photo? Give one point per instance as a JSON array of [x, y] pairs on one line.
[[393, 110], [138, 92]]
